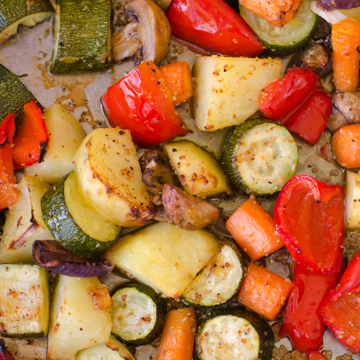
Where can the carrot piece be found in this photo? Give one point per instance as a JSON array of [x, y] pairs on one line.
[[263, 291], [179, 81], [346, 146], [8, 191], [254, 230], [346, 58], [31, 137], [275, 12], [178, 336]]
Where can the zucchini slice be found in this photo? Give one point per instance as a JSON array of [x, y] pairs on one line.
[[112, 350], [82, 36], [75, 226], [74, 322], [13, 93], [24, 305], [138, 314], [233, 333], [259, 156], [283, 41], [22, 12], [220, 279]]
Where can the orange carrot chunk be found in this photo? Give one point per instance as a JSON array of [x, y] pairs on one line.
[[263, 291], [346, 146], [178, 79], [254, 230], [275, 12], [345, 41], [178, 336]]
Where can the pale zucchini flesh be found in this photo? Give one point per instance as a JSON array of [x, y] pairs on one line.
[[73, 317], [90, 222], [112, 350], [220, 279], [164, 257], [24, 223], [227, 89], [65, 137], [24, 305], [352, 200], [110, 178], [199, 173], [137, 314]]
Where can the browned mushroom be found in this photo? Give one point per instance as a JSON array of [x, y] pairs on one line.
[[147, 36], [348, 104], [187, 211]]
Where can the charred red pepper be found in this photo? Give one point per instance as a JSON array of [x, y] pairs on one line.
[[31, 137], [309, 216], [341, 309], [4, 355], [142, 103], [301, 322], [8, 191], [214, 26], [298, 102]]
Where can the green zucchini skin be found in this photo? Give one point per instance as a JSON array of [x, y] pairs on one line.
[[161, 309], [13, 95], [13, 13], [274, 47], [63, 227], [228, 151], [266, 335], [220, 296], [82, 36]]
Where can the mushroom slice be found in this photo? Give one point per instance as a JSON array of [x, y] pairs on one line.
[[126, 42], [154, 30], [156, 171], [186, 211], [348, 104]]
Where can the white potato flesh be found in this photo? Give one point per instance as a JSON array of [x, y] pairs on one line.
[[163, 256], [110, 178], [74, 323], [352, 200], [24, 223], [227, 89], [65, 137]]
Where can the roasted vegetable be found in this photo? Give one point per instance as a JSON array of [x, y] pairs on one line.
[[348, 105], [72, 312], [187, 211], [147, 35], [163, 256], [24, 289], [352, 203], [109, 177], [24, 223]]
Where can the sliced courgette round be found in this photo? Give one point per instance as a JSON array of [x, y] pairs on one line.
[[138, 314], [283, 41], [76, 227], [112, 350], [233, 333], [22, 12], [219, 280], [82, 36], [259, 156]]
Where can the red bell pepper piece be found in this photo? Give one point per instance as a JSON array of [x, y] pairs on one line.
[[31, 137], [312, 117], [297, 102], [341, 309], [214, 26], [315, 355], [4, 355], [301, 322], [309, 216], [8, 191], [142, 103]]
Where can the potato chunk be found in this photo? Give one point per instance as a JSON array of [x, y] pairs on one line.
[[110, 178], [227, 89], [352, 201]]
